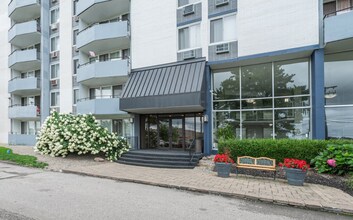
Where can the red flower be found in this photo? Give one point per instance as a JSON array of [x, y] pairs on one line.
[[223, 158], [294, 163]]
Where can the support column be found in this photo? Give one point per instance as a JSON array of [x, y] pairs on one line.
[[208, 113], [45, 62], [137, 132], [318, 94]]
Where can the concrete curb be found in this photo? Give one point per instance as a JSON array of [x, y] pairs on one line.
[[277, 201]]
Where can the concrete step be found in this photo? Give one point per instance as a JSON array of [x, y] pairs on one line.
[[156, 165]]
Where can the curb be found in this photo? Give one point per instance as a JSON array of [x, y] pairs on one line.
[[275, 201]]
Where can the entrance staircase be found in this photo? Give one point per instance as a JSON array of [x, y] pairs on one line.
[[160, 158]]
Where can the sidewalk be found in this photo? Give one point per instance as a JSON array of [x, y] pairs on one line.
[[201, 180]]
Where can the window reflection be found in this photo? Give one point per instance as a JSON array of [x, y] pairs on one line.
[[256, 81], [292, 123], [339, 122]]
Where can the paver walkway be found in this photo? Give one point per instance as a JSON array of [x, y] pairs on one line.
[[312, 196]]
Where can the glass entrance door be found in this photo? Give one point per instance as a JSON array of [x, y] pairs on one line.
[[175, 131], [171, 133]]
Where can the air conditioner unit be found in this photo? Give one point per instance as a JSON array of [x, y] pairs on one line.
[[54, 82], [76, 18], [54, 26], [190, 9], [221, 2], [189, 54], [54, 54], [76, 49], [222, 48]]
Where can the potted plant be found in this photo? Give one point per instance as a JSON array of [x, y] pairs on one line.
[[295, 170], [223, 164]]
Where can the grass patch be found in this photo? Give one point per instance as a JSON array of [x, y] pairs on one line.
[[6, 154]]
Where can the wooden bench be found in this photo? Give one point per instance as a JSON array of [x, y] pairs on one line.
[[259, 163]]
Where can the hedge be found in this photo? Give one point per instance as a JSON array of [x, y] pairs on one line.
[[277, 149]]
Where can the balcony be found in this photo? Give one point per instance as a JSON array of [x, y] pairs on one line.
[[339, 29], [104, 37], [24, 86], [22, 139], [92, 11], [24, 10], [22, 60], [106, 105], [25, 34], [112, 72], [24, 112]]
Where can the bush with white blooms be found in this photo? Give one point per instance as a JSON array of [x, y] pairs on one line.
[[62, 134]]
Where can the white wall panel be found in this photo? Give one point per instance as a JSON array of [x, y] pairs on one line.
[[272, 25]]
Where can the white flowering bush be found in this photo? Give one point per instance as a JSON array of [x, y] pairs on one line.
[[62, 134]]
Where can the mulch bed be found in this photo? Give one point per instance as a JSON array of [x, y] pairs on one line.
[[311, 177]]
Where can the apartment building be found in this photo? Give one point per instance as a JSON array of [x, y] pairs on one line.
[[71, 56], [167, 74]]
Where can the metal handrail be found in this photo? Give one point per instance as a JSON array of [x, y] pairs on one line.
[[98, 61], [19, 77], [99, 23], [98, 97], [20, 105], [335, 13]]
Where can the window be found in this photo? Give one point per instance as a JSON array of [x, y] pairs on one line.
[[103, 57], [269, 100], [115, 55], [75, 96], [117, 90], [54, 16], [74, 37], [30, 127], [55, 99], [74, 7], [189, 37], [100, 93], [223, 29], [75, 66], [54, 44], [54, 71]]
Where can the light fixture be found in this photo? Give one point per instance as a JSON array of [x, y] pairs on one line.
[[205, 118], [131, 120]]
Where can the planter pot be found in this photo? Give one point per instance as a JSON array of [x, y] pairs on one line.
[[295, 177], [223, 169]]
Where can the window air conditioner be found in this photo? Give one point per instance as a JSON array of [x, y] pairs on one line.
[[189, 54], [54, 82], [189, 10], [54, 26], [222, 48], [221, 2], [54, 54]]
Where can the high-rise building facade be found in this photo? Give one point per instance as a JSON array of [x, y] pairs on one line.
[[166, 74]]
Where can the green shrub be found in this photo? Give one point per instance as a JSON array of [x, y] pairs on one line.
[[276, 149], [342, 154], [62, 134]]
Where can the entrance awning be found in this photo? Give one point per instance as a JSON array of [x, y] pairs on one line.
[[170, 88]]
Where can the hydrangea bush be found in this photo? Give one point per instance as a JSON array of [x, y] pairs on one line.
[[62, 134]]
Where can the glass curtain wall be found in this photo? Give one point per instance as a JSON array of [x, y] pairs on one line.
[[270, 100], [339, 95]]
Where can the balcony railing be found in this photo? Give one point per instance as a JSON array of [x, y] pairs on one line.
[[99, 97], [338, 12]]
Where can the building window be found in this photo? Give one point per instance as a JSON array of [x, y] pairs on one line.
[[30, 127], [75, 67], [54, 16], [75, 96], [339, 95], [54, 71], [186, 2], [54, 44], [117, 90], [74, 7], [270, 100], [189, 37], [54, 99], [74, 37], [223, 29]]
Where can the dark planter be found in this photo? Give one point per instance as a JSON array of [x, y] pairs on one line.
[[223, 169], [295, 177]]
